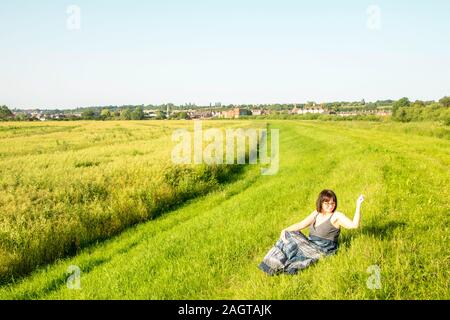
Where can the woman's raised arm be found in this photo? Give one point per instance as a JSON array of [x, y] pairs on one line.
[[346, 222]]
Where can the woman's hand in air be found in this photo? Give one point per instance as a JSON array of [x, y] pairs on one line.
[[360, 200]]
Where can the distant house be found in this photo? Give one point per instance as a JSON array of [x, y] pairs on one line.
[[257, 112], [318, 110], [57, 116], [296, 110], [150, 113], [73, 115], [366, 112], [383, 113], [190, 114], [201, 114], [216, 114], [204, 114], [236, 113], [39, 115]]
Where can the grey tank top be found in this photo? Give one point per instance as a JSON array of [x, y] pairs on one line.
[[325, 230]]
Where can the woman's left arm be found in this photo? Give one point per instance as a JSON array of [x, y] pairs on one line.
[[346, 222]]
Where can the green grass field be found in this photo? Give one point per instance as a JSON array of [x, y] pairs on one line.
[[210, 247]]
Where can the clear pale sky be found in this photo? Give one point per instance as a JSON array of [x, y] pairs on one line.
[[233, 51]]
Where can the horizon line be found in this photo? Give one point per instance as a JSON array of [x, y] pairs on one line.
[[212, 104]]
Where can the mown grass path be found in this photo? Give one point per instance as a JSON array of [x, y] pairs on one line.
[[210, 247]]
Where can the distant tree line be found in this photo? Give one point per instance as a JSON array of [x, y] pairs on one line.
[[5, 113], [402, 110], [127, 113], [405, 111]]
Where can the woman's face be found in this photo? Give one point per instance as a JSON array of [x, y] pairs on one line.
[[328, 206]]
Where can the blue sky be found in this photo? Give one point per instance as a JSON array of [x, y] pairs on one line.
[[153, 52]]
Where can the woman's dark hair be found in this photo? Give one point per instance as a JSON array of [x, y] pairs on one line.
[[326, 195]]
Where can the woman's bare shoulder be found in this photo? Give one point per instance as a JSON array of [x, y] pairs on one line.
[[312, 215], [337, 215]]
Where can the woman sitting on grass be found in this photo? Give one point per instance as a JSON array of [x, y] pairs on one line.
[[294, 251]]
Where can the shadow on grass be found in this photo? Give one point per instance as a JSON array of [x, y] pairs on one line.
[[61, 281], [380, 231]]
